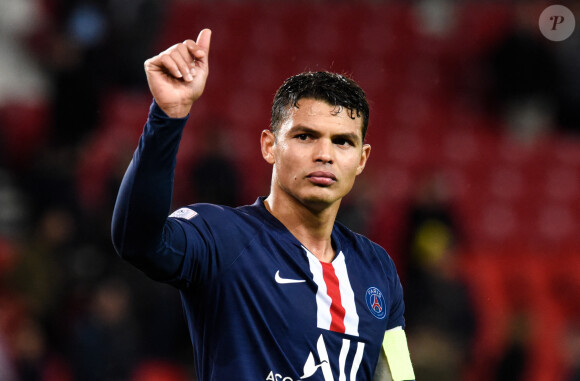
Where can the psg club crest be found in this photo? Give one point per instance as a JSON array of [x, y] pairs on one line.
[[376, 302]]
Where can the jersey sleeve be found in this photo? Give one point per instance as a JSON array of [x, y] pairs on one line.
[[205, 229], [397, 305], [214, 238], [396, 314], [140, 230], [395, 346]]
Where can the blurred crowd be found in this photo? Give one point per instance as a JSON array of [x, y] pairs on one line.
[[71, 310]]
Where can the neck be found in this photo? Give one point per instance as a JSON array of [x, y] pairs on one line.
[[311, 226]]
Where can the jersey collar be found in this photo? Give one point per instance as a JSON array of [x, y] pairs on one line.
[[283, 231]]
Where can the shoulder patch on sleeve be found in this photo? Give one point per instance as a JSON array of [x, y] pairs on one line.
[[186, 213]]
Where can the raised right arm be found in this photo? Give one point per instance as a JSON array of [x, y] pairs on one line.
[[141, 232]]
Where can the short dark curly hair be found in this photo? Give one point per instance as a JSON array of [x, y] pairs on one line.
[[335, 89]]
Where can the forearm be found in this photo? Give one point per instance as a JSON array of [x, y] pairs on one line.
[[382, 373], [145, 194]]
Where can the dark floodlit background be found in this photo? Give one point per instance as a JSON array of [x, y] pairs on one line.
[[473, 185]]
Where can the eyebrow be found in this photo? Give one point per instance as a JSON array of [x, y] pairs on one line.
[[302, 129], [298, 129]]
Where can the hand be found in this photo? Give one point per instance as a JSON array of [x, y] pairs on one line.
[[177, 76]]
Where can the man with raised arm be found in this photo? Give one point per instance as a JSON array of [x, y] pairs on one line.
[[277, 290]]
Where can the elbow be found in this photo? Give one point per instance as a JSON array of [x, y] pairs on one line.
[[116, 235], [120, 248], [121, 243], [131, 246], [134, 253], [149, 250], [126, 249]]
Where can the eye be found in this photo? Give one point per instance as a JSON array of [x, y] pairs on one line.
[[343, 142], [302, 136]]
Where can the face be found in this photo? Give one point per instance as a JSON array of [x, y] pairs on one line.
[[316, 154]]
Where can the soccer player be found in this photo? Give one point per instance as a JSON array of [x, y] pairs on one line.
[[277, 290]]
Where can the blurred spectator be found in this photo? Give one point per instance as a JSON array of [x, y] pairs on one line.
[[214, 173], [356, 209], [432, 229], [96, 46], [163, 327], [7, 372], [572, 351], [522, 322], [435, 17], [567, 54], [37, 275], [105, 341], [41, 268], [14, 207], [32, 355], [24, 83], [514, 360], [523, 75], [77, 59], [159, 371], [50, 182], [134, 27], [10, 312], [439, 312], [21, 78]]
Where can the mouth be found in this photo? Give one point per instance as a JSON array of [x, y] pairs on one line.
[[321, 178]]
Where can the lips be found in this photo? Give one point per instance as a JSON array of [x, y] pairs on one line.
[[322, 178]]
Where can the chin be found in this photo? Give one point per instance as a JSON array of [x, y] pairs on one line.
[[320, 200]]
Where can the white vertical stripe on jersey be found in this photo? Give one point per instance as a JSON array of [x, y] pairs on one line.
[[342, 359], [360, 349], [346, 295], [323, 300]]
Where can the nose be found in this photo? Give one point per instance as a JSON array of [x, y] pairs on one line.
[[323, 152]]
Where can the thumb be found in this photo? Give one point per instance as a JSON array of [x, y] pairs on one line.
[[204, 39]]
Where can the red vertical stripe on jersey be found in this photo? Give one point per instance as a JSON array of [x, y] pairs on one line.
[[337, 311]]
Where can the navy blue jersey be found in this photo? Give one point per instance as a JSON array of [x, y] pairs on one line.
[[258, 304]]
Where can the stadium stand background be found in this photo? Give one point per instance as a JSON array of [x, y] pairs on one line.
[[73, 100]]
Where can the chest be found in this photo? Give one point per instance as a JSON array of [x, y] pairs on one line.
[[298, 296]]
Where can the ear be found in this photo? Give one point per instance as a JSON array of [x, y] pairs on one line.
[[267, 142], [366, 152]]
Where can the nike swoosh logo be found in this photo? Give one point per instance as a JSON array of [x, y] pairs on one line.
[[281, 280]]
